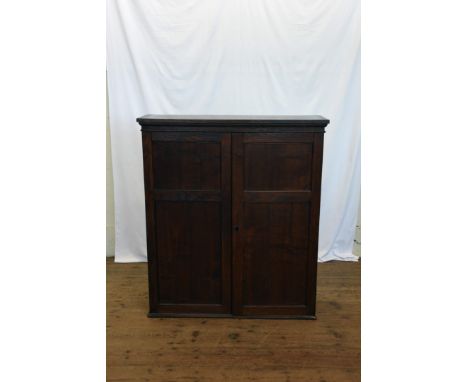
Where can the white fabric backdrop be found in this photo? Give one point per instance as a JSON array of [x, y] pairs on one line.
[[236, 57]]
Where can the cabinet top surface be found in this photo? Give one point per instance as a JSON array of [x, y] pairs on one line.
[[252, 121]]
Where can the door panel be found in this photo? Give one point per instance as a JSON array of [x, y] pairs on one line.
[[277, 166], [275, 222], [275, 248], [187, 165], [189, 248]]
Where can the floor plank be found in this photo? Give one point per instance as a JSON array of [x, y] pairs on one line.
[[199, 349]]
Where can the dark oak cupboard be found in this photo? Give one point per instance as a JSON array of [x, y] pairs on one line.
[[232, 214]]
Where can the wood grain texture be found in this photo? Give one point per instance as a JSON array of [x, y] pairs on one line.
[[233, 350], [233, 123], [275, 254], [180, 165], [277, 218], [189, 264], [154, 120], [232, 207], [153, 285], [316, 184], [281, 166], [188, 221]]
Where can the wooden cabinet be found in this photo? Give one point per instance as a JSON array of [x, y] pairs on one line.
[[232, 214]]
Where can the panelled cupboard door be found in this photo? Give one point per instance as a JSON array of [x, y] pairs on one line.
[[275, 212], [188, 214]]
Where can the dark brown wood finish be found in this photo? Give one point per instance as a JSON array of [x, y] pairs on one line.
[[188, 200], [273, 194], [153, 284], [274, 178]]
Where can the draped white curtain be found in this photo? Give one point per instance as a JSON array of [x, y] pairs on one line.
[[236, 57]]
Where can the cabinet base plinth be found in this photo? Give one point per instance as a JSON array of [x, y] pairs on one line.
[[213, 315]]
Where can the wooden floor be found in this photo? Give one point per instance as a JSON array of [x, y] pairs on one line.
[[196, 349]]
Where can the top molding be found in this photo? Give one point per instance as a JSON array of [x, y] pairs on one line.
[[241, 123]]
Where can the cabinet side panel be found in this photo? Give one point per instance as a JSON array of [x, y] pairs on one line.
[[317, 160], [150, 226]]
